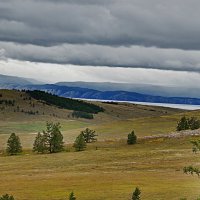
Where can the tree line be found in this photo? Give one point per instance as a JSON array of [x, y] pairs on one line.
[[66, 103], [51, 140], [186, 123]]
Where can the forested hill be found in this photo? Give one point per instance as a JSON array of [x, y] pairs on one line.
[[66, 103]]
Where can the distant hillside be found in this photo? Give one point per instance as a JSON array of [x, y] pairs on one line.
[[37, 105], [13, 81], [154, 90], [21, 113], [84, 93]]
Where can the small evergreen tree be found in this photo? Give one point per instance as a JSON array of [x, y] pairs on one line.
[[55, 138], [89, 135], [183, 124], [136, 194], [132, 138], [194, 123], [80, 143], [72, 196], [6, 197], [13, 145]]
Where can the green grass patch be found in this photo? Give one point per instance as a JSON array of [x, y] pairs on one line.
[[37, 126]]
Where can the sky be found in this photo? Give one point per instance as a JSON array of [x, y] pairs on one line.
[[134, 41]]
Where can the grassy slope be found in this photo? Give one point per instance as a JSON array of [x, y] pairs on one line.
[[113, 124], [154, 165]]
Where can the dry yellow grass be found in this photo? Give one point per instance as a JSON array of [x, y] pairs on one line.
[[110, 172]]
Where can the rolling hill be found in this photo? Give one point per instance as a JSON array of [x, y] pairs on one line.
[[121, 166], [28, 114]]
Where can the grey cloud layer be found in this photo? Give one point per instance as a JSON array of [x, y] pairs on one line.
[[96, 55], [167, 24], [118, 33]]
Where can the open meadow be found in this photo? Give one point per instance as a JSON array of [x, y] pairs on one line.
[[109, 168], [110, 172]]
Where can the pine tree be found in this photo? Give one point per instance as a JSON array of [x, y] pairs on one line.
[[40, 144], [136, 194], [132, 138], [89, 135], [13, 145], [72, 196], [194, 123], [6, 197], [56, 139], [183, 124], [80, 143]]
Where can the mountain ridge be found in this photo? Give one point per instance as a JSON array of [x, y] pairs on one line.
[[86, 90], [150, 89], [84, 93], [15, 80]]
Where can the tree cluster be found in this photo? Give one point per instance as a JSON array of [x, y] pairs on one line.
[[50, 141], [86, 136], [80, 114], [188, 123]]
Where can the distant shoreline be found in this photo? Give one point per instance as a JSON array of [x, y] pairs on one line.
[[169, 105]]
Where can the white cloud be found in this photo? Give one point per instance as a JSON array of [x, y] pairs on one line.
[[52, 73]]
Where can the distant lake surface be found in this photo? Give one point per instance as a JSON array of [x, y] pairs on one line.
[[169, 105]]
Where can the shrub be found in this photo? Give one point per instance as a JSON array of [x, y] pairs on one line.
[[72, 196], [132, 138], [6, 197], [80, 114], [136, 194]]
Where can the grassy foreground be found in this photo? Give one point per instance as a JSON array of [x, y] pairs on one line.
[[110, 172], [109, 169]]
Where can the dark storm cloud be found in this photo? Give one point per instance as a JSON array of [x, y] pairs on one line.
[[167, 24]]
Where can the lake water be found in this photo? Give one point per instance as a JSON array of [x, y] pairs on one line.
[[180, 106]]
